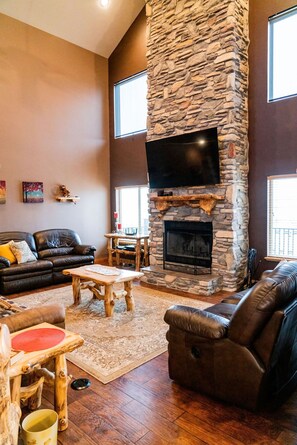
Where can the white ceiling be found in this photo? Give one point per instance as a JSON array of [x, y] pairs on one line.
[[82, 22]]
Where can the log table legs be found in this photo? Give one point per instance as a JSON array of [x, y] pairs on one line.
[[129, 297], [108, 294], [76, 289], [61, 383]]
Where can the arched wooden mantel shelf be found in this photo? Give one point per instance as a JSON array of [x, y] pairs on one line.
[[206, 201]]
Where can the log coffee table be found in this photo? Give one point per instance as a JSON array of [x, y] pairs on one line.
[[95, 274]]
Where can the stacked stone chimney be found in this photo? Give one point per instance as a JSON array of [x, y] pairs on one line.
[[198, 78]]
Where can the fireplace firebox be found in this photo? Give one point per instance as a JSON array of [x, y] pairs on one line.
[[187, 246]]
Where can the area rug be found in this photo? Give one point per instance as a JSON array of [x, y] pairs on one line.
[[115, 345]]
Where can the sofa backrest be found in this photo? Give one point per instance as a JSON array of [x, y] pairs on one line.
[[56, 239], [275, 292], [5, 237]]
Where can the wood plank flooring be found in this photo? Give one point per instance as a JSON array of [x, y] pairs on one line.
[[145, 407]]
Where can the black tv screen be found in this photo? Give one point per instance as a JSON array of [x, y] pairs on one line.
[[189, 159]]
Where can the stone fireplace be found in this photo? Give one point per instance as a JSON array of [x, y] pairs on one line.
[[198, 79], [187, 246]]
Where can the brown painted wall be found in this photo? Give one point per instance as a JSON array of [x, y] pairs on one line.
[[53, 128], [273, 129], [127, 155]]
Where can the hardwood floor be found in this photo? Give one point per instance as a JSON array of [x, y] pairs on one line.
[[145, 407]]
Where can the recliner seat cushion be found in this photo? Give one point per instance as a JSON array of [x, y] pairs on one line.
[[41, 266], [57, 251], [65, 261]]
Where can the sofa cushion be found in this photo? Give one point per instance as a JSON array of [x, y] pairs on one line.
[[63, 262], [22, 252], [6, 252], [6, 237], [16, 270], [58, 251], [55, 238]]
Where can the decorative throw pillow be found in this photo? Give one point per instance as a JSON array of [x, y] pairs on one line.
[[22, 252], [6, 252]]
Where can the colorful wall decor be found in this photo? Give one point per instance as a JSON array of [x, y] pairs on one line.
[[32, 192], [2, 192]]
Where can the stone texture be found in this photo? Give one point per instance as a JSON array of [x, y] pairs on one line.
[[198, 78]]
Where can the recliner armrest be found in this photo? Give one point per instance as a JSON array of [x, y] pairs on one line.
[[197, 321], [4, 262], [53, 314], [84, 249]]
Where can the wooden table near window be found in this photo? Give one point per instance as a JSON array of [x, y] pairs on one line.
[[141, 243]]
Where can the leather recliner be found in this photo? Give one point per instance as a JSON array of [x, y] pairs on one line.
[[244, 349]]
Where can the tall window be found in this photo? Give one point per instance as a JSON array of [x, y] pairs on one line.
[[132, 206], [282, 216], [130, 105], [282, 60]]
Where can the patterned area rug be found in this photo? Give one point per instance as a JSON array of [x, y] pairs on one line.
[[113, 346]]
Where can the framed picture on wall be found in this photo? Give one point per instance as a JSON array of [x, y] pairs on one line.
[[2, 192], [32, 192]]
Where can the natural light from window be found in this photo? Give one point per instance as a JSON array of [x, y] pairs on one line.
[[132, 207], [130, 105], [282, 216], [282, 60]]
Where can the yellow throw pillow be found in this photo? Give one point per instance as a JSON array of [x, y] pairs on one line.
[[6, 252]]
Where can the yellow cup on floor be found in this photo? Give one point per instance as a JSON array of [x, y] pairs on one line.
[[40, 428]]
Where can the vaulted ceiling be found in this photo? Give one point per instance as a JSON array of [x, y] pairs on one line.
[[82, 22]]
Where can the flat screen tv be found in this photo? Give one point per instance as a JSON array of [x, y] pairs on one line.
[[190, 159]]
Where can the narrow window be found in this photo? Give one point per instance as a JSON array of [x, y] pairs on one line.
[[130, 105], [132, 207], [282, 60], [282, 217]]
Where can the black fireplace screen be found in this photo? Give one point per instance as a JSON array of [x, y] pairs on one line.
[[187, 243]]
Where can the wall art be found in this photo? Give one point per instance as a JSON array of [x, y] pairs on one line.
[[32, 192], [2, 192]]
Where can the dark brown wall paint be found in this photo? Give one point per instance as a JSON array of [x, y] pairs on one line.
[[54, 129], [273, 128], [127, 155]]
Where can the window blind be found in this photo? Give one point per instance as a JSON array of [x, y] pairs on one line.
[[282, 216]]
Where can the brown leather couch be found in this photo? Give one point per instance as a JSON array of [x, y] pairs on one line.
[[244, 349], [54, 249]]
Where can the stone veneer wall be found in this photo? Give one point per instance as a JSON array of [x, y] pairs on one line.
[[197, 79]]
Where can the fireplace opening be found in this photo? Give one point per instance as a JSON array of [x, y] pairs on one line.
[[187, 246]]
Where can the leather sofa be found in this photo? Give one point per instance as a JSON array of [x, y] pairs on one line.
[[54, 249], [244, 349]]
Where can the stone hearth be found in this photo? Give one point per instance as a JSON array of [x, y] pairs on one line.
[[198, 79]]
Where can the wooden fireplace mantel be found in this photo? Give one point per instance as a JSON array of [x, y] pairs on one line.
[[205, 201]]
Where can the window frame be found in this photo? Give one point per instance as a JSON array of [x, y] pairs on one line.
[[270, 81], [119, 206], [270, 257], [117, 108]]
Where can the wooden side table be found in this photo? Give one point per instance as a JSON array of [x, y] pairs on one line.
[[33, 361], [113, 242]]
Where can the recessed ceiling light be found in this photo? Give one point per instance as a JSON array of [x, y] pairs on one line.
[[104, 3]]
